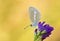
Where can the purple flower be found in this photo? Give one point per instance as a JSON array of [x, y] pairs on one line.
[[46, 27]]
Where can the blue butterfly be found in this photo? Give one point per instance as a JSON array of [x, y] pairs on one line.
[[34, 16]]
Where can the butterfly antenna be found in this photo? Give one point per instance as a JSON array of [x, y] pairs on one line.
[[28, 26]]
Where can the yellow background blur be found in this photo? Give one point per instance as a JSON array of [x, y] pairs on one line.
[[14, 16]]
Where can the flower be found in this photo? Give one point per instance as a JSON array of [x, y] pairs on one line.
[[45, 28]]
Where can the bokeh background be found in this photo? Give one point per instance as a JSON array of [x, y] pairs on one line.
[[14, 17]]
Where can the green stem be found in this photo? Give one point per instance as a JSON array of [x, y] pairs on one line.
[[37, 37]]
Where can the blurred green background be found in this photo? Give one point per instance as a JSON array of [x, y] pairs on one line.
[[14, 17]]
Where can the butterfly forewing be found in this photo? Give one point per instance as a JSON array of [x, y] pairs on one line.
[[34, 15]]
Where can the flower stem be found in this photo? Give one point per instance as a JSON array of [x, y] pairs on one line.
[[38, 37]]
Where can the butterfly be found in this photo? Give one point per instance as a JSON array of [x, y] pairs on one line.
[[34, 15]]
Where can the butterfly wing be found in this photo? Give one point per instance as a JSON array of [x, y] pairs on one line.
[[34, 16]]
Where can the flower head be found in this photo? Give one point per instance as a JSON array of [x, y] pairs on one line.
[[44, 27]]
